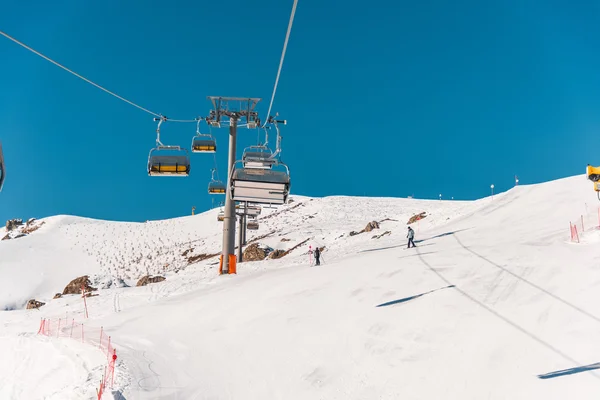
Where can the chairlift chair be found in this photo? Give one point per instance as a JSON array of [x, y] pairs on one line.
[[216, 186], [203, 142], [263, 186], [167, 160], [2, 168], [252, 225], [258, 157], [221, 216]]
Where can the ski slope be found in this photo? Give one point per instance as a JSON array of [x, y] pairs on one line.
[[496, 302]]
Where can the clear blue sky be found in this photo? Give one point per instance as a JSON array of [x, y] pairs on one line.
[[382, 98]]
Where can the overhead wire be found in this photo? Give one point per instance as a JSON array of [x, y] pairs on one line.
[[85, 79], [287, 37]]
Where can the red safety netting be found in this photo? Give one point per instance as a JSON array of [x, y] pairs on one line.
[[91, 335]]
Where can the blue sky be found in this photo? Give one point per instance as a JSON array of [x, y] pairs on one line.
[[382, 98]]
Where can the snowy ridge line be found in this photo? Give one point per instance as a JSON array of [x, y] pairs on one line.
[[76, 331]]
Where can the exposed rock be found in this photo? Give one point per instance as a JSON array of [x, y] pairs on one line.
[[416, 217], [254, 253], [57, 296], [371, 225], [30, 228], [13, 223], [31, 304], [200, 257], [74, 287], [277, 254], [382, 235], [285, 240], [150, 279], [354, 233]]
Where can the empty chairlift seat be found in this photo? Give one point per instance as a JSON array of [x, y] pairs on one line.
[[261, 186], [252, 225], [160, 163], [203, 145], [216, 187], [221, 216], [258, 159]]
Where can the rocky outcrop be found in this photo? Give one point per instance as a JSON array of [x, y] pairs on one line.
[[277, 254], [370, 227], [31, 304], [382, 235], [150, 279], [57, 296], [416, 217], [13, 224], [74, 287], [255, 252]]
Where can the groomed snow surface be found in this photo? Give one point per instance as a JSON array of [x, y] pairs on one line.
[[496, 302]]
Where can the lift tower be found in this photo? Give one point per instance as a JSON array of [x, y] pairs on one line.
[[241, 112]]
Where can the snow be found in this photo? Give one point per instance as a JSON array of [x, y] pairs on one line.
[[495, 302]]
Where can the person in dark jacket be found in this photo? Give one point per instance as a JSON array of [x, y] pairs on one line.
[[411, 236], [317, 256]]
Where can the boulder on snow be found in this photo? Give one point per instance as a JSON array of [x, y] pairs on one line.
[[57, 296], [255, 252], [150, 279], [74, 287], [277, 254], [13, 223], [31, 304], [371, 225], [382, 235], [416, 217]]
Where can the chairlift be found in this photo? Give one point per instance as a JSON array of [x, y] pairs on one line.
[[203, 142], [221, 216], [167, 160], [250, 210], [2, 168], [263, 186], [258, 157], [252, 225], [216, 186]]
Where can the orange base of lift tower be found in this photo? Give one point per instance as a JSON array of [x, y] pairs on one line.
[[232, 266]]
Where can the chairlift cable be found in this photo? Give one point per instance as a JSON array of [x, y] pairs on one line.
[[287, 36], [85, 79]]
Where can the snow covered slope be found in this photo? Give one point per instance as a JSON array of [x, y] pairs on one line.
[[494, 303]]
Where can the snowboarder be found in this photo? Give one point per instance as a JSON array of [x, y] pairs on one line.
[[410, 236], [317, 256]]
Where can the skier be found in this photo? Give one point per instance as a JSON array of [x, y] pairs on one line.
[[410, 236], [317, 256]]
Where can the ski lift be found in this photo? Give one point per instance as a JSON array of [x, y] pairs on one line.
[[258, 157], [167, 160], [221, 216], [203, 142], [262, 186], [252, 225], [2, 168], [216, 186], [250, 210]]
